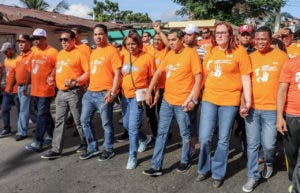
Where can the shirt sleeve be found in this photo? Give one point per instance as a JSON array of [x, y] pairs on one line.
[[244, 62], [196, 63], [116, 60], [286, 74]]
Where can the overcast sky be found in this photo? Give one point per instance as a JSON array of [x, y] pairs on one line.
[[157, 9]]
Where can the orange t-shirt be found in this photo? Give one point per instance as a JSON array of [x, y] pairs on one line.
[[180, 72], [293, 50], [103, 62], [159, 57], [223, 72], [10, 65], [85, 50], [149, 49], [205, 43], [290, 73], [43, 63], [70, 65], [143, 68], [265, 74], [22, 63]]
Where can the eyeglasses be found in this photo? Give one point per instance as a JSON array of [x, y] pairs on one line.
[[221, 32], [205, 32], [64, 39]]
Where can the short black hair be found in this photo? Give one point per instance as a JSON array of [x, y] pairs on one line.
[[145, 32], [26, 37], [104, 27], [179, 33], [288, 29], [265, 29], [77, 29], [72, 34]]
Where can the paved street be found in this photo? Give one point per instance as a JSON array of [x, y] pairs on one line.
[[26, 172]]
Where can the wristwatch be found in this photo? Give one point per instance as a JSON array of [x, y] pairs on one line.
[[113, 94], [194, 101]]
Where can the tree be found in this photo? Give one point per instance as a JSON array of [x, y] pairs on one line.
[[43, 5], [109, 11], [233, 11]]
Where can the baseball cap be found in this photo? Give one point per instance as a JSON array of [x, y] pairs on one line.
[[246, 28], [191, 28], [6, 46], [39, 32]]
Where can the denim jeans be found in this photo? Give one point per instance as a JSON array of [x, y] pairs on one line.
[[132, 119], [44, 121], [91, 102], [260, 129], [210, 115], [7, 102], [167, 111], [26, 111]]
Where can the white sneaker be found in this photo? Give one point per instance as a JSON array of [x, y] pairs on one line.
[[250, 185]]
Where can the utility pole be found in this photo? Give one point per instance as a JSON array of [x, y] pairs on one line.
[[277, 21]]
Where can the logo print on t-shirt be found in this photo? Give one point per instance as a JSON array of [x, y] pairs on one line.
[[262, 73], [96, 63], [126, 69], [61, 64], [171, 68], [297, 79]]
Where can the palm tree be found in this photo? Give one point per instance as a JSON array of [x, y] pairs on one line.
[[35, 4], [43, 5]]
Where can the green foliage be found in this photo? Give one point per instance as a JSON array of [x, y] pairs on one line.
[[35, 4], [234, 11], [43, 5], [109, 11]]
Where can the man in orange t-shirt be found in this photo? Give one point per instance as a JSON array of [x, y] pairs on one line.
[[72, 72], [105, 64], [10, 95], [261, 119], [288, 117], [22, 63], [41, 76], [292, 48], [183, 83]]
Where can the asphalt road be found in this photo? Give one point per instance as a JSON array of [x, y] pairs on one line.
[[25, 172]]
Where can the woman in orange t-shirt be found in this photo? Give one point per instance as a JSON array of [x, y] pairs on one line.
[[227, 72], [137, 70]]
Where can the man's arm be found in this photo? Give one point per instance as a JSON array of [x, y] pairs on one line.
[[246, 102], [152, 86], [116, 84], [281, 99]]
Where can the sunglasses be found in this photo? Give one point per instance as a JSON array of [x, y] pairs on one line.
[[64, 39], [21, 41], [36, 38], [205, 32]]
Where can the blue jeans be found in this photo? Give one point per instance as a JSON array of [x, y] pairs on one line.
[[7, 102], [132, 119], [167, 111], [26, 111], [91, 102], [260, 129], [210, 115], [44, 121]]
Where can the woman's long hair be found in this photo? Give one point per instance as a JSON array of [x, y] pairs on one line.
[[231, 44]]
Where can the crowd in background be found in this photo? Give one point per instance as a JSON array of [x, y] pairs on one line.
[[205, 80]]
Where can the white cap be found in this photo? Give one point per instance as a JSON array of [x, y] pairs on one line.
[[6, 46], [39, 32], [191, 28], [84, 41]]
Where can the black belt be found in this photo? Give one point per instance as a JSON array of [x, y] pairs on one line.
[[73, 88], [21, 84]]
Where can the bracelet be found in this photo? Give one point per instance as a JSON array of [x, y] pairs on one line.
[[194, 101]]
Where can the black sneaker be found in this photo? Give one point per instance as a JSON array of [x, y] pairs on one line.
[[51, 155], [152, 172], [20, 137], [81, 148], [5, 133], [217, 183], [105, 155], [123, 137], [89, 154], [183, 167], [202, 177]]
